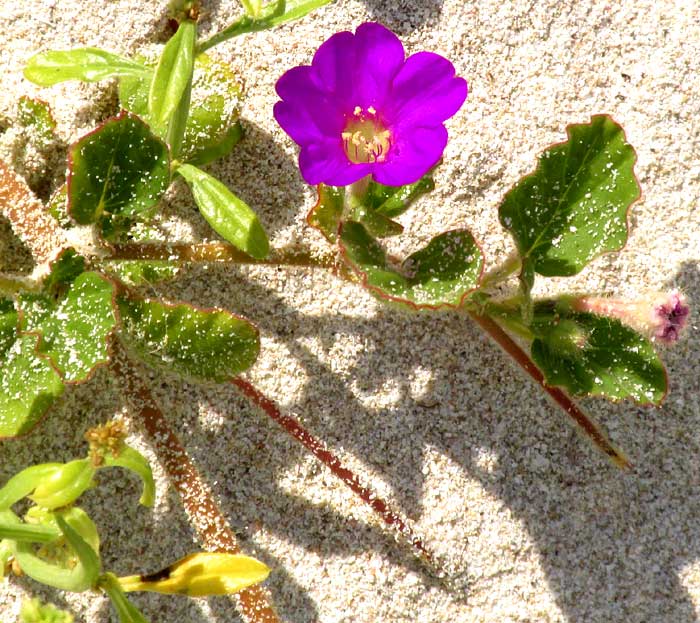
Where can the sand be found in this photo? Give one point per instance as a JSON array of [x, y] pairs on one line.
[[529, 523]]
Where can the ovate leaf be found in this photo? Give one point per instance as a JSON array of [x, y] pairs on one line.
[[28, 387], [203, 345], [119, 169], [229, 216], [86, 64], [442, 274], [74, 332], [574, 206], [142, 272], [597, 355]]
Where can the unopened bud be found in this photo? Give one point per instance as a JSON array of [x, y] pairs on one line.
[[661, 316]]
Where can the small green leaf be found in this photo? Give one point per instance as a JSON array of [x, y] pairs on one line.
[[24, 482], [392, 201], [128, 613], [325, 215], [87, 64], [199, 344], [119, 169], [141, 272], [272, 14], [172, 78], [574, 206], [74, 332], [134, 461], [442, 274], [35, 114], [28, 387], [229, 216], [597, 355]]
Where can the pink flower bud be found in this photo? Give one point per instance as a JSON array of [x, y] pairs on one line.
[[660, 316]]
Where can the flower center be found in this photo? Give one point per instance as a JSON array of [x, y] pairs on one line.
[[365, 139]]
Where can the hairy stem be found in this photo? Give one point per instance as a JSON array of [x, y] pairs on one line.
[[294, 428], [585, 423], [218, 252], [29, 218], [197, 499]]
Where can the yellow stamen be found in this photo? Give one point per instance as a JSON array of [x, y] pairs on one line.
[[365, 139]]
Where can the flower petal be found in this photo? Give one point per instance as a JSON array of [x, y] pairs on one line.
[[334, 63], [425, 91], [303, 99], [325, 162], [379, 55], [416, 150]]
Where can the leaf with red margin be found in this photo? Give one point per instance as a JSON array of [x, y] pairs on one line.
[[74, 331], [28, 386], [121, 169], [592, 355], [442, 274], [198, 344], [574, 206]]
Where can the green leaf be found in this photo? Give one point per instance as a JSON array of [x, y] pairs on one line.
[[229, 216], [574, 206], [442, 274], [172, 78], [597, 355], [74, 332], [272, 14], [36, 115], [325, 215], [8, 325], [86, 64], [134, 461], [128, 613], [141, 272], [212, 128], [65, 269], [28, 387], [203, 345], [392, 201], [119, 169]]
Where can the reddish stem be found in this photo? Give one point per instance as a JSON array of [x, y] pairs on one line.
[[217, 252], [29, 218], [197, 499], [587, 425], [294, 428]]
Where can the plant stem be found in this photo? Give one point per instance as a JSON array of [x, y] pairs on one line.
[[585, 423], [500, 273], [29, 218], [294, 428], [218, 252], [199, 503]]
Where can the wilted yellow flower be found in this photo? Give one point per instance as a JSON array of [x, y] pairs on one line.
[[202, 574]]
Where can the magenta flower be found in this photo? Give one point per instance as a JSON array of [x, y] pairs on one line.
[[362, 108]]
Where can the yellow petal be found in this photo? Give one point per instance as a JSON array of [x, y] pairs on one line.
[[201, 574]]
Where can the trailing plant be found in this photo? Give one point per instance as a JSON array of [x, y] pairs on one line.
[[372, 155]]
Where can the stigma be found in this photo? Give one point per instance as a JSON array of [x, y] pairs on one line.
[[365, 139]]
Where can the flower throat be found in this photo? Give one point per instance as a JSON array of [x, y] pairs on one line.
[[365, 140]]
